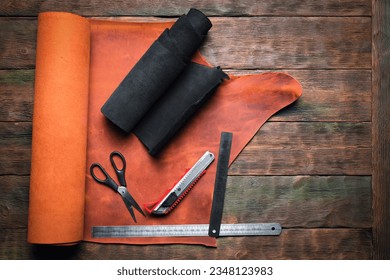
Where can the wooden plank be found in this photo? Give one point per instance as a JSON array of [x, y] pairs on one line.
[[289, 42], [17, 44], [293, 201], [243, 43], [329, 161], [279, 148], [15, 148], [381, 128], [328, 95], [290, 148], [299, 201], [176, 7], [291, 244], [14, 201], [16, 95]]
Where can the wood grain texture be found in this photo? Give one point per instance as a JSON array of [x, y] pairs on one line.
[[293, 201], [381, 128], [16, 95], [176, 7], [259, 43], [289, 42], [17, 44], [289, 148], [15, 148], [329, 95], [291, 244], [299, 201], [14, 201]]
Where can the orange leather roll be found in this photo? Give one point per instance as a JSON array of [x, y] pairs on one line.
[[59, 141]]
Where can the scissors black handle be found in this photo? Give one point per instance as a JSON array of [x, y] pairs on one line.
[[108, 181], [120, 173], [121, 188]]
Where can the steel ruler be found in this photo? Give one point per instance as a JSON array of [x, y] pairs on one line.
[[185, 230], [220, 183]]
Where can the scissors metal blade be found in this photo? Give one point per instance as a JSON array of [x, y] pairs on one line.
[[130, 202], [130, 208]]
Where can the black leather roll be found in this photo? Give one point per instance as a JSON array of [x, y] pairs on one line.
[[189, 92], [156, 71]]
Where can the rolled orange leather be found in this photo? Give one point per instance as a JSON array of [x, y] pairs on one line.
[[59, 137]]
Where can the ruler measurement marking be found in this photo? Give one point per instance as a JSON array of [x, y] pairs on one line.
[[184, 230]]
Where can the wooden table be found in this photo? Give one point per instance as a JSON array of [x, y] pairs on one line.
[[319, 167]]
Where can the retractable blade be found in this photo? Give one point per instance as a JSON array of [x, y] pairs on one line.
[[179, 190]]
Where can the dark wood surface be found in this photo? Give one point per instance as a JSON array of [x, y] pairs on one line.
[[381, 129], [320, 167]]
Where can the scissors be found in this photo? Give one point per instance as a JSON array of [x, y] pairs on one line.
[[122, 187]]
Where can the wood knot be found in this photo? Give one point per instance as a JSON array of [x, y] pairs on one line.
[[240, 254], [4, 211], [22, 51]]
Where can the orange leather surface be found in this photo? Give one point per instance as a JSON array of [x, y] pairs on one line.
[[57, 184], [241, 105]]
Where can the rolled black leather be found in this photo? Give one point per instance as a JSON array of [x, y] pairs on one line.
[[158, 68], [189, 92]]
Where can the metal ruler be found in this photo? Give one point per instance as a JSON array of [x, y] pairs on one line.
[[185, 230], [220, 183]]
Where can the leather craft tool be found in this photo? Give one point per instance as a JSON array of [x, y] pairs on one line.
[[220, 183], [185, 230], [175, 194], [122, 187]]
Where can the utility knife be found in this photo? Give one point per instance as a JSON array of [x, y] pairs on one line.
[[174, 195]]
